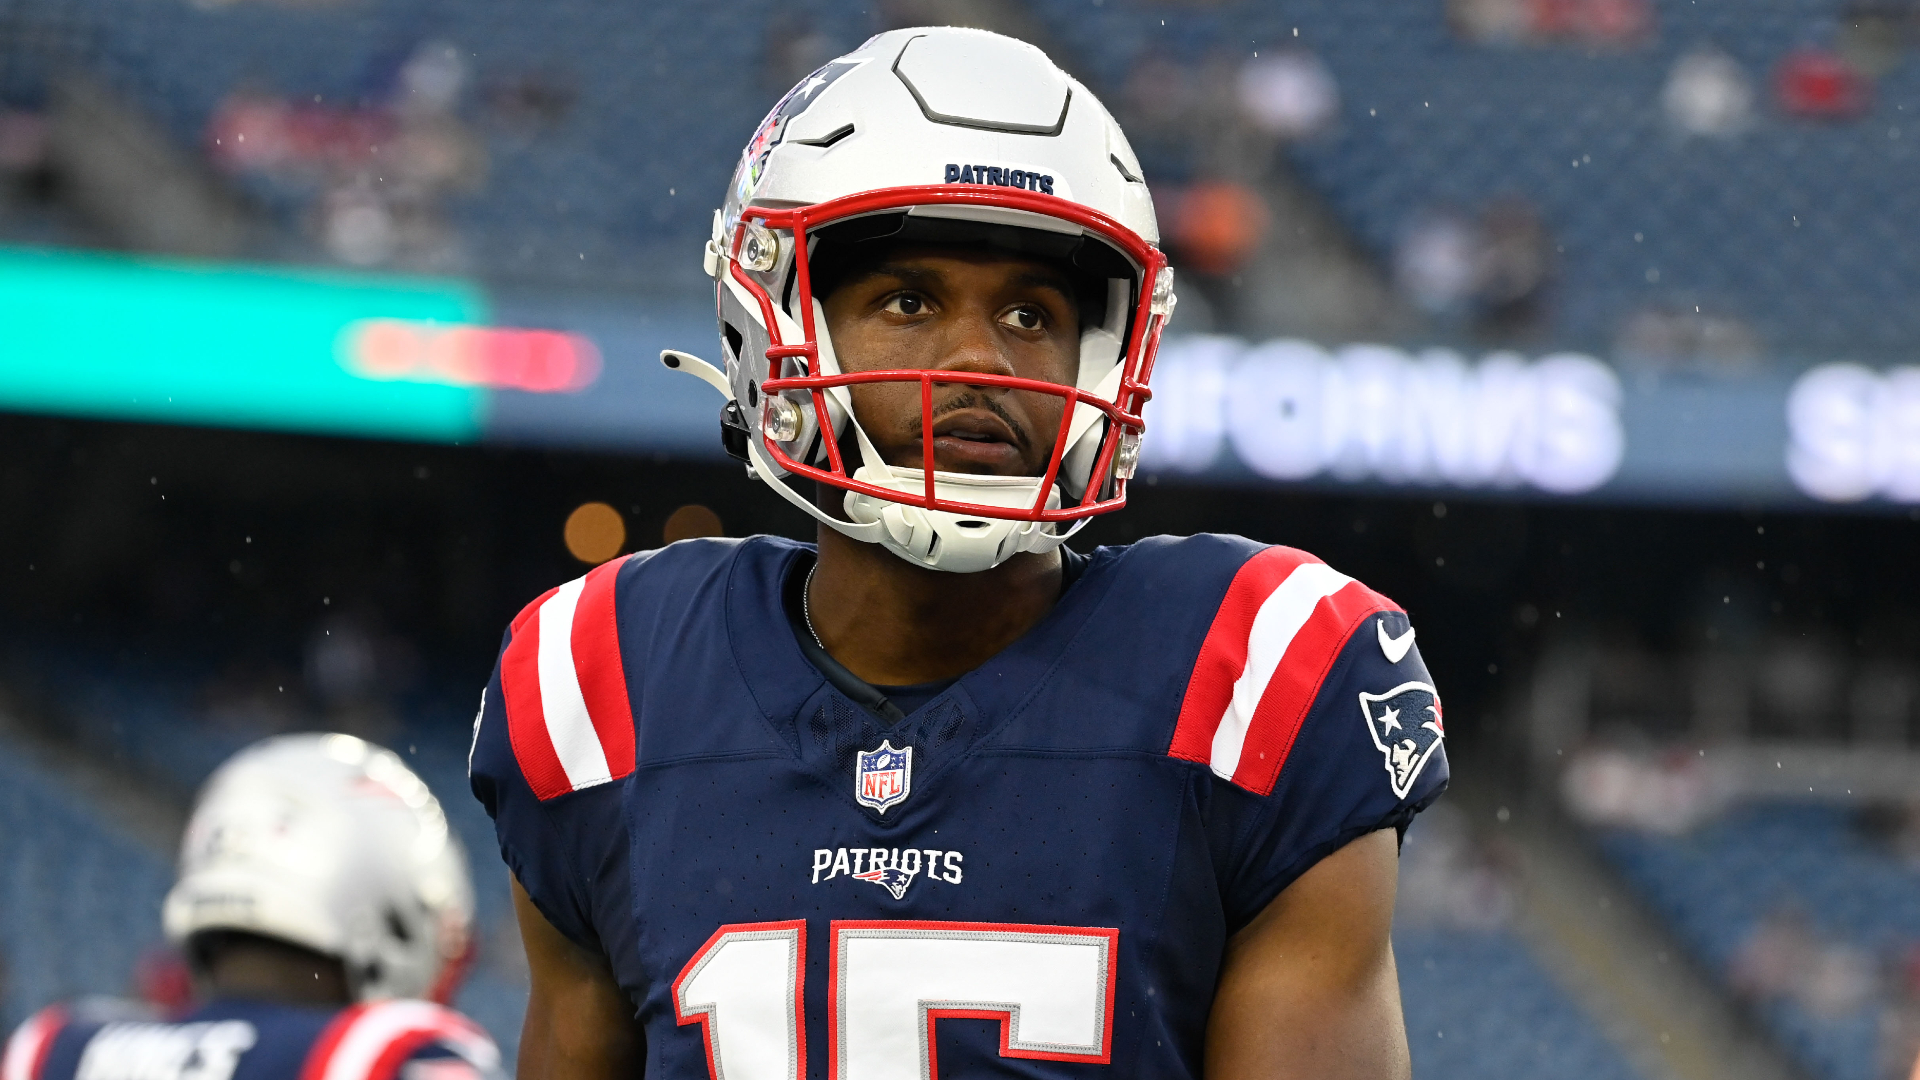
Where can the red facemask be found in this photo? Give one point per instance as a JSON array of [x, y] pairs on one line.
[[752, 241]]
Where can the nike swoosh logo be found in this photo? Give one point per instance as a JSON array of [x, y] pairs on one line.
[[1395, 648]]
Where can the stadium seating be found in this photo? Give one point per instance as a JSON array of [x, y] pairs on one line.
[[1477, 1002], [1717, 885], [1777, 226], [1479, 1006], [83, 882], [80, 901], [1782, 226]]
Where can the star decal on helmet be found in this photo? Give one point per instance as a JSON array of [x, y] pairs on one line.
[[774, 127]]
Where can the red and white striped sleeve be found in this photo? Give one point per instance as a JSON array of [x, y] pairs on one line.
[[568, 716], [1279, 629], [373, 1041], [26, 1052]]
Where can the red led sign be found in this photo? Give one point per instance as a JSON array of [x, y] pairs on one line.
[[540, 361]]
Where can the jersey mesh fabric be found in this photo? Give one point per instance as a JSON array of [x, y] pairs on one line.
[[1041, 793]]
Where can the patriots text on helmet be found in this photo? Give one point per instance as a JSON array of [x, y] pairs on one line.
[[999, 176]]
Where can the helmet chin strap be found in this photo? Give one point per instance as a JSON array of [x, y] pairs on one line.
[[764, 468], [760, 465], [934, 539], [949, 540], [945, 539]]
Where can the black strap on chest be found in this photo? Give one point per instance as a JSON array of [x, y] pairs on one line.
[[858, 690]]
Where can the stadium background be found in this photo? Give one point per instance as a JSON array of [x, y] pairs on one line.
[[1576, 326]]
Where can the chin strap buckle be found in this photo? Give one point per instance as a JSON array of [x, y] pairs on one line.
[[734, 432], [715, 255]]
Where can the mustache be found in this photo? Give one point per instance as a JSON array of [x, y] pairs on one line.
[[974, 399]]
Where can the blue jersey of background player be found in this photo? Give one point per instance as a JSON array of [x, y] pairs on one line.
[[235, 1037], [939, 796], [321, 903]]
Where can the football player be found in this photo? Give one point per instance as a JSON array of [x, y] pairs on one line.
[[939, 795], [326, 912]]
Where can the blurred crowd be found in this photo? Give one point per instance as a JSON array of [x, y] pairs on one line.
[[374, 175], [381, 177]]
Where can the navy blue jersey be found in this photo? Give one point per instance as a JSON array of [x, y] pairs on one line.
[[253, 1040], [1033, 872]]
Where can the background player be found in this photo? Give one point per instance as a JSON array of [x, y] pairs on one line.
[[325, 910], [1136, 809]]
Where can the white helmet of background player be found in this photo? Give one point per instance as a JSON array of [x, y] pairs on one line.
[[330, 843], [935, 134]]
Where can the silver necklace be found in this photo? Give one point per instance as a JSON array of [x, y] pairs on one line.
[[806, 606]]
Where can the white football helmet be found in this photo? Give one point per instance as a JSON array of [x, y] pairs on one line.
[[935, 134], [333, 844]]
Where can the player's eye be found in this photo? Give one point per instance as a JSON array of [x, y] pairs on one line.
[[904, 304], [1025, 317]]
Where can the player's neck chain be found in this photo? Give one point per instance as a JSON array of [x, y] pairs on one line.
[[806, 606]]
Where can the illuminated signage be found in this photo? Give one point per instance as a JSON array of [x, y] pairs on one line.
[[1292, 410], [1855, 433], [177, 341], [538, 361]]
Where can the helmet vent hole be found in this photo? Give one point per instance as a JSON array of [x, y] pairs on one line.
[[829, 138], [734, 340], [398, 926], [972, 523]]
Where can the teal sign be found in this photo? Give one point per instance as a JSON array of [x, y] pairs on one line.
[[179, 342]]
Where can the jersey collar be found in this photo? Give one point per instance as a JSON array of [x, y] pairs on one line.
[[781, 679]]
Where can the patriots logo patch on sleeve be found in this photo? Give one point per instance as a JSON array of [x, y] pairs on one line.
[[1407, 726]]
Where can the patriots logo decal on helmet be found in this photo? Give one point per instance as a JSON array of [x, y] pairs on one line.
[[774, 127], [281, 830], [1407, 727]]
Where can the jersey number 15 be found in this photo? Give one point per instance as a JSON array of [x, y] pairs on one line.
[[1051, 988]]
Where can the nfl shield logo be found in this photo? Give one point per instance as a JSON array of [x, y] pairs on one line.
[[882, 776]]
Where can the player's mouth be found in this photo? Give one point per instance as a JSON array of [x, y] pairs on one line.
[[979, 440]]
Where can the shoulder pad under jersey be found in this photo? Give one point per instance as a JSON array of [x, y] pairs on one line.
[[27, 1048], [372, 1041], [1282, 624], [565, 686]]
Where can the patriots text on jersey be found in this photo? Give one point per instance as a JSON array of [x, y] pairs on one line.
[[1090, 815]]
